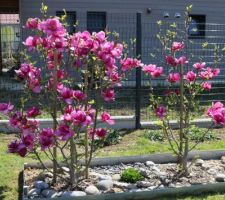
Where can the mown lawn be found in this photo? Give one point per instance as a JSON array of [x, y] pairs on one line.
[[133, 143]]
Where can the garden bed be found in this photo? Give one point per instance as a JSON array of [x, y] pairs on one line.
[[158, 178]]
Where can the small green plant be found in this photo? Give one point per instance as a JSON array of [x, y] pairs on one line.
[[200, 135], [112, 138], [131, 175], [155, 135]]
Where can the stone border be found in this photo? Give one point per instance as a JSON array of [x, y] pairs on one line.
[[151, 195], [156, 193]]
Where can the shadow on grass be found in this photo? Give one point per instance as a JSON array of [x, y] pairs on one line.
[[3, 189]]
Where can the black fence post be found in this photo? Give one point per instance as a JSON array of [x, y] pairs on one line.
[[138, 72]]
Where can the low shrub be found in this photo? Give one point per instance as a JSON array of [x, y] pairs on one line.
[[131, 175]]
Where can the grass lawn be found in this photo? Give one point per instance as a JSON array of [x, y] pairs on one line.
[[133, 143]]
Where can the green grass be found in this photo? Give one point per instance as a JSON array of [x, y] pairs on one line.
[[134, 143]]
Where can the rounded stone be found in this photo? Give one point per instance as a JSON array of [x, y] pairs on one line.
[[104, 184], [143, 184], [73, 194], [199, 162], [220, 178], [41, 185], [116, 177], [35, 192], [150, 163], [49, 193], [92, 190]]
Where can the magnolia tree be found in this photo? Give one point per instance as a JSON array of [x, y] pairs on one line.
[[184, 84], [75, 112]]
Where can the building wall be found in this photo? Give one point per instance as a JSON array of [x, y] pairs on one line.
[[121, 17]]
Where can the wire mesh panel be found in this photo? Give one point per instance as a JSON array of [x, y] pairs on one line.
[[199, 48]]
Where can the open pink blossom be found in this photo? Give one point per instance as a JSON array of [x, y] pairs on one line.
[[17, 147], [200, 65], [64, 132], [79, 117], [217, 113], [101, 132], [170, 60], [105, 117], [191, 76], [206, 86], [160, 112], [32, 23], [17, 120], [6, 108], [209, 73], [177, 46], [130, 63], [33, 112], [181, 60], [46, 138], [148, 68], [174, 77], [28, 141], [66, 95], [157, 72], [22, 150], [78, 95], [108, 95]]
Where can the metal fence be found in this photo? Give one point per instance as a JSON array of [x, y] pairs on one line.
[[133, 97]]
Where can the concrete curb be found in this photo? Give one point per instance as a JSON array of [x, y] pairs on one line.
[[121, 122], [160, 158], [156, 193]]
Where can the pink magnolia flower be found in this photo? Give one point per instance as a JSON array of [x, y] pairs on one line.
[[22, 150], [64, 132], [148, 68], [33, 112], [17, 147], [181, 61], [66, 95], [32, 23], [215, 72], [130, 63], [101, 132], [160, 112], [191, 76], [217, 113], [108, 95], [199, 66], [17, 120], [6, 108], [53, 27], [157, 72], [105, 117], [206, 86], [46, 138], [80, 118], [79, 95], [170, 60], [13, 146], [28, 141], [177, 46], [209, 73], [153, 70], [174, 77]]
